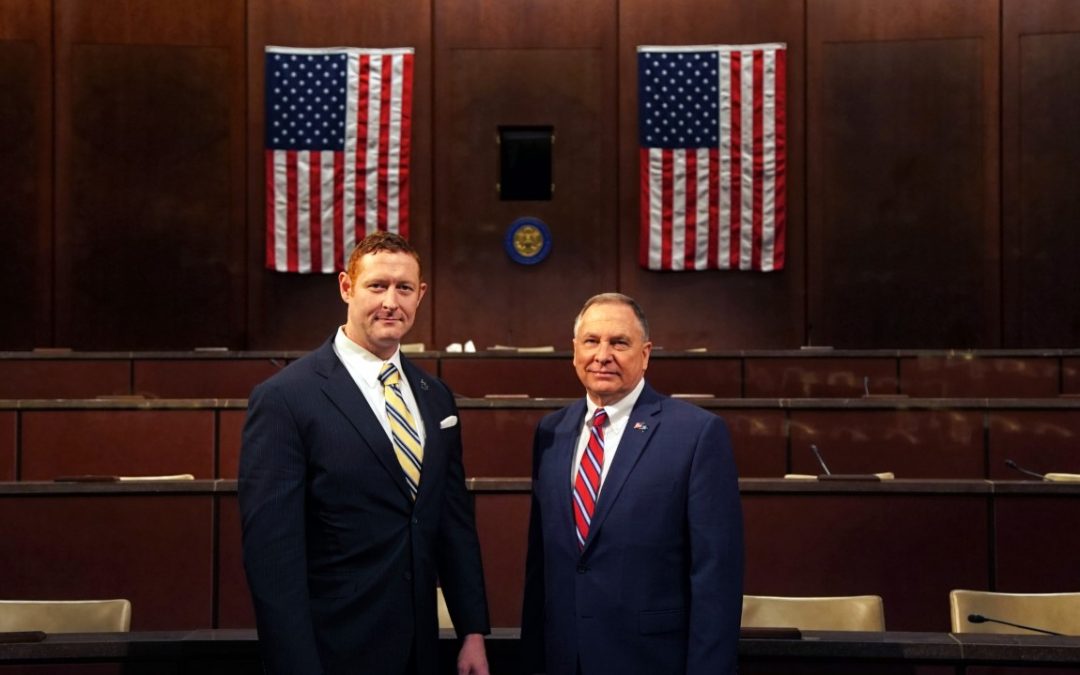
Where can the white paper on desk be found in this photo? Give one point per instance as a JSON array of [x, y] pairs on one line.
[[176, 476], [1062, 477]]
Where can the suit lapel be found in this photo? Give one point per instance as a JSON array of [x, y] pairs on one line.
[[560, 464], [349, 400], [644, 419]]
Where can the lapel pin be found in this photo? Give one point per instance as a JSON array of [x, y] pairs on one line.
[[640, 426], [423, 384]]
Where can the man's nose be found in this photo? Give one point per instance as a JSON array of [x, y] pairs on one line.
[[603, 352], [390, 299]]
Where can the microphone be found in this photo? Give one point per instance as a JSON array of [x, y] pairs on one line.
[[820, 460], [1027, 472], [979, 618]]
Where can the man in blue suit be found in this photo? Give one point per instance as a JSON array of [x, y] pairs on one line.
[[352, 494], [635, 557]]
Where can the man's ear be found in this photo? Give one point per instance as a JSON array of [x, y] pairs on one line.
[[421, 291], [344, 285]]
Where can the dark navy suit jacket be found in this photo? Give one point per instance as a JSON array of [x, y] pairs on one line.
[[342, 565], [658, 587]]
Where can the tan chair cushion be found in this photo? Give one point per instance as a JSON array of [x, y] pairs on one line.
[[444, 612], [1058, 612], [854, 612], [66, 616]]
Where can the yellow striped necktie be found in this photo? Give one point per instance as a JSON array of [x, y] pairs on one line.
[[407, 446]]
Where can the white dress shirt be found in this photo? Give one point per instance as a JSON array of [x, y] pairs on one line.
[[364, 367], [618, 414]]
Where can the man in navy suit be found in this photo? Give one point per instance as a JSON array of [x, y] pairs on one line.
[[635, 557], [352, 494]]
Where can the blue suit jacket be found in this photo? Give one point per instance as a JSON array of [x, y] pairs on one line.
[[658, 586], [341, 564]]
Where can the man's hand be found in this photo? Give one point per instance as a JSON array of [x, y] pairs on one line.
[[472, 659]]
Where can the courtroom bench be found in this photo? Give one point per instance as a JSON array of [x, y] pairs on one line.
[[804, 373], [913, 438], [173, 548]]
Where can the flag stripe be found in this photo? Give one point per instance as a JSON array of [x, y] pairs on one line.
[[337, 152], [712, 157]]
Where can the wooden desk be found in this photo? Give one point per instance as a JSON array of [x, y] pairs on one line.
[[236, 651]]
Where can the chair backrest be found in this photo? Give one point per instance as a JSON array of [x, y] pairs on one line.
[[1058, 612], [444, 612], [65, 616], [851, 612]]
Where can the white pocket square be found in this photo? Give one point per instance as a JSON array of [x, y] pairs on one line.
[[448, 422]]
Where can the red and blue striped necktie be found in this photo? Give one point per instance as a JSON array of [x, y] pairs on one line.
[[587, 482]]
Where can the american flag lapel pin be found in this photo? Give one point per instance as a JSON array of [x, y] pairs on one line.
[[640, 426]]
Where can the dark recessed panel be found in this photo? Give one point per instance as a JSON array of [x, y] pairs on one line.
[[230, 429], [909, 443], [234, 608], [144, 244], [909, 549], [902, 238], [1046, 266], [982, 377], [117, 443], [819, 377], [19, 213], [8, 423], [525, 163], [502, 521], [64, 378], [156, 551]]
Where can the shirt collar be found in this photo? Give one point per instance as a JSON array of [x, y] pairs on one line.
[[365, 364], [619, 411]]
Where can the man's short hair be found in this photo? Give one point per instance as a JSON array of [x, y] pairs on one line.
[[614, 299], [377, 242]]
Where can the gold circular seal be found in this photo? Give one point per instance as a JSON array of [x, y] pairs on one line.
[[528, 240]]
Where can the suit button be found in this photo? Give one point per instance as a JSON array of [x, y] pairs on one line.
[[581, 569], [408, 576], [415, 521]]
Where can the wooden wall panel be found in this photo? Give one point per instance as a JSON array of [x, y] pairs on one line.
[[25, 173], [903, 180], [819, 377], [1043, 441], [540, 377], [910, 443], [230, 427], [713, 309], [499, 442], [64, 378], [759, 440], [193, 378], [300, 311], [1070, 377], [8, 441], [117, 443], [1033, 552], [716, 377], [1040, 154], [495, 66], [150, 136], [234, 608], [502, 522], [154, 550], [888, 545], [985, 377]]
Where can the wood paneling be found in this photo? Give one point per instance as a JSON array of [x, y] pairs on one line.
[[910, 443], [156, 551], [909, 549], [1038, 440], [903, 173], [818, 377], [64, 378], [719, 377], [25, 173], [502, 522], [1040, 154], [986, 377], [117, 443], [234, 608], [193, 378], [300, 311], [1033, 551], [713, 309], [1070, 377], [541, 378], [760, 443], [8, 443], [481, 85], [230, 426], [149, 133], [499, 442]]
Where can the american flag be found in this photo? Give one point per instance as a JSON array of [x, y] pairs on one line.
[[337, 152], [712, 139]]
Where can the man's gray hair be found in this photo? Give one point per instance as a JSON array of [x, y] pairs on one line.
[[614, 299]]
